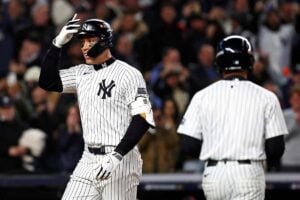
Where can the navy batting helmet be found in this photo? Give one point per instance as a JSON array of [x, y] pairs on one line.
[[98, 28], [234, 53]]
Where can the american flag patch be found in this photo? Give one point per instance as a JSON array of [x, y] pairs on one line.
[[142, 91]]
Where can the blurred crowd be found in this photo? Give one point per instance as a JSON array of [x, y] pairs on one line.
[[172, 42]]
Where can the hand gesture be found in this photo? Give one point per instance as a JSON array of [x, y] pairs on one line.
[[109, 163], [67, 32]]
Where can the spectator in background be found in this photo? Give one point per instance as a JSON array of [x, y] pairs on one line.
[[190, 7], [275, 41], [130, 23], [43, 118], [22, 104], [34, 140], [288, 11], [29, 54], [202, 73], [194, 36], [166, 32], [11, 130], [170, 58], [241, 9], [124, 50], [31, 78], [293, 79], [214, 32], [70, 141], [106, 11], [171, 83], [83, 10], [162, 139], [17, 16], [170, 114], [61, 12], [41, 24], [291, 158], [238, 28], [259, 73], [130, 27]]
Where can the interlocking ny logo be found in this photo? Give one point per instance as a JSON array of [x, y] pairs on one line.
[[105, 90]]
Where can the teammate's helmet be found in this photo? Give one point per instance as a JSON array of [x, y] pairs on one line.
[[100, 29], [234, 53]]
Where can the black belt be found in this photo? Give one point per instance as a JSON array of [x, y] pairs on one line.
[[211, 162], [101, 150]]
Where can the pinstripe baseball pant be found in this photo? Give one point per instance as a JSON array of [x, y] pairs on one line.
[[122, 185], [234, 181]]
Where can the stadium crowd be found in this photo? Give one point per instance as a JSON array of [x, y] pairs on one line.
[[172, 42]]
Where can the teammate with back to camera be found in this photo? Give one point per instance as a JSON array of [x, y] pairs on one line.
[[114, 109], [236, 124]]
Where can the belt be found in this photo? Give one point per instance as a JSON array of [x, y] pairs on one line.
[[101, 150], [211, 163]]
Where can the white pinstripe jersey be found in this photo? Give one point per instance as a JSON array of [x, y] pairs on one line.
[[104, 98], [233, 118]]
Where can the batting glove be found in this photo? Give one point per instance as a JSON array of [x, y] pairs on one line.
[[108, 165], [67, 32]]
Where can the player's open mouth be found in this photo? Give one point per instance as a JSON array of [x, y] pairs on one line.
[[86, 56]]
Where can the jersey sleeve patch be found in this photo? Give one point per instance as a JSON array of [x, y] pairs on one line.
[[141, 91]]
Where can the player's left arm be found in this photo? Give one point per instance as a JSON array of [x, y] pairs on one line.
[[274, 132], [142, 119], [141, 111], [274, 150]]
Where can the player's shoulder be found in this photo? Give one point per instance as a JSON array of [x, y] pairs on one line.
[[261, 90], [83, 69], [203, 92], [209, 88], [127, 69]]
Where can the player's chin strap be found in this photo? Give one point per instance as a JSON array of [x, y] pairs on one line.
[[98, 48]]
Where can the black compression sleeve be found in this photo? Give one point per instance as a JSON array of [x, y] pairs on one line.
[[274, 150], [49, 76], [134, 133], [190, 147]]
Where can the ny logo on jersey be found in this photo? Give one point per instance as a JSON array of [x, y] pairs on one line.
[[105, 90]]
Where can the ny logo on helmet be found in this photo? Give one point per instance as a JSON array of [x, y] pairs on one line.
[[105, 90]]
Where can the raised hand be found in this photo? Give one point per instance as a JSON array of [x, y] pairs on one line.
[[66, 33]]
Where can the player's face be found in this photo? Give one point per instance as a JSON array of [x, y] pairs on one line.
[[86, 44]]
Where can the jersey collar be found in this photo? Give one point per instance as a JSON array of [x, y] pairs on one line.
[[105, 64]]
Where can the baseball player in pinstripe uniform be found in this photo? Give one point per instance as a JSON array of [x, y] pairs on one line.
[[237, 125], [114, 109]]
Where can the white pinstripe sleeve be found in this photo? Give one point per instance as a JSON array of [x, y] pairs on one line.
[[191, 122], [68, 79], [137, 97], [132, 82], [275, 123]]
